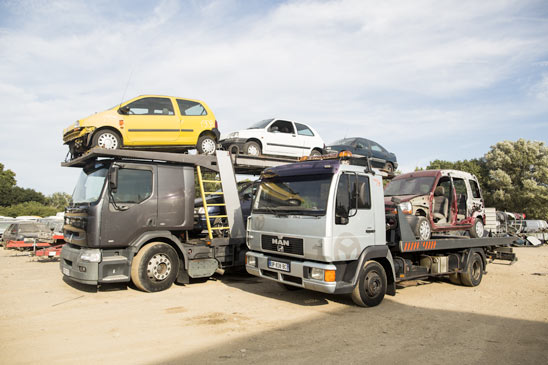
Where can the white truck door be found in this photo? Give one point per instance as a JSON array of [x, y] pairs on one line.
[[354, 228]]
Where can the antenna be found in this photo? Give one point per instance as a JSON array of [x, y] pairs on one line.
[[127, 85]]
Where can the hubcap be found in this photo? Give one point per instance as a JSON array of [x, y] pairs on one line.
[[479, 228], [252, 150], [208, 146], [476, 270], [372, 284], [107, 141], [159, 267], [424, 230]]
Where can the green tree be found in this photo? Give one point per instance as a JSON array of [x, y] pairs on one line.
[[59, 201], [28, 208], [7, 182], [518, 177]]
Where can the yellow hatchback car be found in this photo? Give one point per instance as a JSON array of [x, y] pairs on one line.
[[147, 121]]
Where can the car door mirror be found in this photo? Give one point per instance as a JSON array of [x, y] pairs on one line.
[[123, 110]]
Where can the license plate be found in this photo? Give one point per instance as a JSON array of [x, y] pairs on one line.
[[282, 266], [65, 271]]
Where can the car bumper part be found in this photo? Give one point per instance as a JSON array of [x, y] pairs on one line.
[[296, 275]]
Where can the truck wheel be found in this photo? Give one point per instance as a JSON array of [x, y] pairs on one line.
[[472, 276], [252, 148], [107, 139], [155, 267], [422, 229], [477, 229], [371, 286], [206, 145]]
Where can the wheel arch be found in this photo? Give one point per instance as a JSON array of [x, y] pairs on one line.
[[382, 255], [469, 255], [100, 129], [161, 236], [253, 139], [208, 132]]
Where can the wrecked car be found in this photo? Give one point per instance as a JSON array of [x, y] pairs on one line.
[[438, 201], [148, 121]]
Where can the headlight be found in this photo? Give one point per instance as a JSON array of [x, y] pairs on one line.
[[251, 261], [91, 255], [233, 135], [316, 274], [201, 210], [406, 208]]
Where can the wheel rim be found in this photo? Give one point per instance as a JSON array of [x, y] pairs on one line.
[[476, 270], [208, 146], [252, 150], [159, 267], [479, 228], [107, 141], [373, 284], [424, 230]]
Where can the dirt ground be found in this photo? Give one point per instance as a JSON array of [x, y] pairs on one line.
[[242, 319]]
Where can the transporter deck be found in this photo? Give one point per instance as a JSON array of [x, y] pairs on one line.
[[453, 243]]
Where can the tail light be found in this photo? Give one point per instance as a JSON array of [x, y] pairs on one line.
[[216, 125]]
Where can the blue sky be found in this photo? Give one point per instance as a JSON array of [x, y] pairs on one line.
[[426, 79]]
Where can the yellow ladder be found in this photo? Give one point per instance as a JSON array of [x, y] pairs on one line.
[[204, 193]]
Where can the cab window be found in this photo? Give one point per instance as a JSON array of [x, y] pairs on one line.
[[475, 189], [150, 106], [134, 186], [191, 108]]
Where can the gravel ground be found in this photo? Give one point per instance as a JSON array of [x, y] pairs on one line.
[[242, 319]]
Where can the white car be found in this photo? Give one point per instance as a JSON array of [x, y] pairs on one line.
[[275, 137]]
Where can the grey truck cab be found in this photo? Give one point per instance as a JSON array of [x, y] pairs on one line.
[[332, 217]]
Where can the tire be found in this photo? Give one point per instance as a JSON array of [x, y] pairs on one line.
[[252, 149], [206, 145], [477, 229], [422, 230], [155, 267], [315, 153], [455, 279], [107, 139], [473, 275], [389, 167], [371, 286]]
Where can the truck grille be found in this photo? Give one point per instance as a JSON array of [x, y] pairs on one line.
[[289, 245]]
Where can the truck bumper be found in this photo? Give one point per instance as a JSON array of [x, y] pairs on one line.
[[75, 269], [297, 276]]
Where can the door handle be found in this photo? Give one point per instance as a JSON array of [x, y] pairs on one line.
[[369, 230]]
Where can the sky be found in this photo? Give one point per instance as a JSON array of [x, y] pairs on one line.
[[427, 79]]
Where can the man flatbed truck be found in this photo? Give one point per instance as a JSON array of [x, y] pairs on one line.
[[132, 211], [321, 225]]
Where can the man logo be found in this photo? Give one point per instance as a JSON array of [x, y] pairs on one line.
[[280, 243]]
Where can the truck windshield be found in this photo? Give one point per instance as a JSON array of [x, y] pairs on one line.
[[410, 186], [304, 195], [89, 186]]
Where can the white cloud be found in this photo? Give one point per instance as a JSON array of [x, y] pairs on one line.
[[407, 74]]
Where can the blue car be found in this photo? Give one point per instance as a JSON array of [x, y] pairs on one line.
[[246, 190], [378, 155]]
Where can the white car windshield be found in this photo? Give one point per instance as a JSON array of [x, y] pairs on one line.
[[261, 124]]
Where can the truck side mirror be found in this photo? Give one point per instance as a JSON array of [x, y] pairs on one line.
[[113, 178]]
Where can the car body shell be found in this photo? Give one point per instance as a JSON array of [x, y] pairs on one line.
[[21, 230], [277, 137], [377, 154], [169, 126], [461, 189]]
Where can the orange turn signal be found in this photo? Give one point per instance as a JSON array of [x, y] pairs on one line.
[[329, 275]]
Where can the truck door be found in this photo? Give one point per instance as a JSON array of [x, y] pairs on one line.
[[132, 208], [354, 222]]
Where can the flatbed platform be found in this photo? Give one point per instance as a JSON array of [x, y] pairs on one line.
[[243, 164]]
